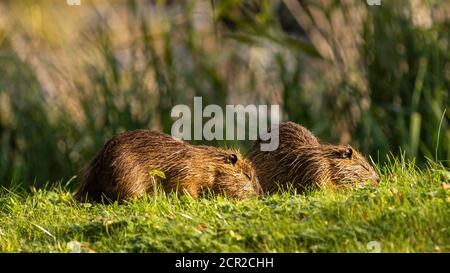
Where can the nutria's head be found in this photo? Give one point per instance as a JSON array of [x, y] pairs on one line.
[[347, 167], [234, 175], [302, 161]]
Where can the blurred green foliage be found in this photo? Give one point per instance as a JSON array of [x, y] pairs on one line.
[[396, 104]]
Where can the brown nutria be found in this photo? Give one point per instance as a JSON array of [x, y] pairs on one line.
[[301, 162], [123, 169]]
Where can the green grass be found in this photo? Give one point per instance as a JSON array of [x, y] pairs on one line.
[[409, 212]]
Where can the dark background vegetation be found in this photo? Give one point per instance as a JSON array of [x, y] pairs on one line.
[[376, 77]]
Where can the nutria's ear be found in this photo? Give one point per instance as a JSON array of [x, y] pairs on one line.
[[346, 153], [232, 159]]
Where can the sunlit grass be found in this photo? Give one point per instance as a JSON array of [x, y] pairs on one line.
[[408, 212]]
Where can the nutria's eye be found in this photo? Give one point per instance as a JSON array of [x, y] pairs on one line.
[[232, 159], [347, 153]]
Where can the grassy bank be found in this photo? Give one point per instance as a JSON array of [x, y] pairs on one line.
[[409, 212]]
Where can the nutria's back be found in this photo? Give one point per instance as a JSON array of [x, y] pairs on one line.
[[123, 168], [301, 162]]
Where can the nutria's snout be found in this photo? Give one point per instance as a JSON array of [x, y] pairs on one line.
[[375, 179]]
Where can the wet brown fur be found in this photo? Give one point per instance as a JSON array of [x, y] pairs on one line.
[[121, 169], [302, 162]]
